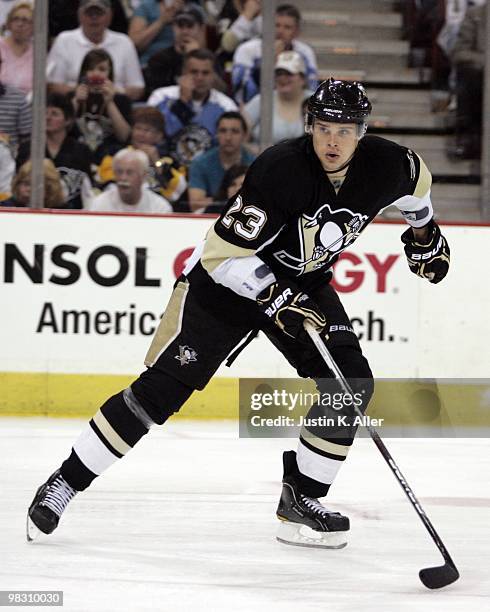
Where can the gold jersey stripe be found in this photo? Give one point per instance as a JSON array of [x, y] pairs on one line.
[[324, 445], [110, 434], [170, 325], [216, 251], [425, 180]]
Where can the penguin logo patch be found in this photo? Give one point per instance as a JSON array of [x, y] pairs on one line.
[[322, 237], [186, 355]]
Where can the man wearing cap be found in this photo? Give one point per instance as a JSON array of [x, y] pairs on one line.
[[70, 47], [287, 102], [165, 66]]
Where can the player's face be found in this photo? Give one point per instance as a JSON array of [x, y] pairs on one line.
[[202, 74], [287, 28], [334, 143], [230, 135], [144, 134], [129, 179]]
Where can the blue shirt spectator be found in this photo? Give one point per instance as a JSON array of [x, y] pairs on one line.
[[207, 170], [192, 108], [151, 26]]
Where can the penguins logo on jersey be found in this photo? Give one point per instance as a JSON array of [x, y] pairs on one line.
[[322, 237]]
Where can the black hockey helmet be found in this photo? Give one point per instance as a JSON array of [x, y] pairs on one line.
[[338, 101]]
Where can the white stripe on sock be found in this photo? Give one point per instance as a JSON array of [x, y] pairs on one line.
[[316, 466], [92, 453]]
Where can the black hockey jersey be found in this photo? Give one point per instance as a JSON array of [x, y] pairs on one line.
[[289, 215]]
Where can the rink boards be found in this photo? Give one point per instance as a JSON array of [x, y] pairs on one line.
[[82, 294]]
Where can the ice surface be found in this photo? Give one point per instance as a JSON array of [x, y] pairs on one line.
[[186, 522]]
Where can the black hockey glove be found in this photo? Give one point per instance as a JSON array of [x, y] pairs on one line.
[[289, 307], [430, 260]]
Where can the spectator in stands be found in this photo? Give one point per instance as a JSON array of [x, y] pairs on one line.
[[129, 194], [63, 15], [239, 21], [103, 117], [165, 177], [192, 108], [71, 158], [21, 187], [206, 171], [165, 66], [15, 116], [5, 7], [287, 103], [70, 47], [230, 185], [150, 28], [468, 57], [16, 48], [7, 169], [248, 56]]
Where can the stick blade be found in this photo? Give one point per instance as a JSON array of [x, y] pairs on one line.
[[438, 577]]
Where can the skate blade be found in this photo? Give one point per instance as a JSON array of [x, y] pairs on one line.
[[296, 534], [32, 532]]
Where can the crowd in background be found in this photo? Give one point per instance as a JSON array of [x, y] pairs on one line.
[[154, 105], [449, 38]]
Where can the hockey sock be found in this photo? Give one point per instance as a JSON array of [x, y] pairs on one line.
[[119, 424], [322, 448], [318, 461], [324, 444]]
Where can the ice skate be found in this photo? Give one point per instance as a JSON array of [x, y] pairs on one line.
[[48, 505], [304, 520]]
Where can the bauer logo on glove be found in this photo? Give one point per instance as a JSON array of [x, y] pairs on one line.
[[430, 260], [289, 308], [278, 302]]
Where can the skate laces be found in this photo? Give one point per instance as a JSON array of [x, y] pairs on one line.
[[315, 505], [58, 495]]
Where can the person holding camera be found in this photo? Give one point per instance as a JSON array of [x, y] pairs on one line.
[[103, 116], [70, 47]]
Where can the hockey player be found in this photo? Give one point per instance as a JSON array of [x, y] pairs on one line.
[[265, 264]]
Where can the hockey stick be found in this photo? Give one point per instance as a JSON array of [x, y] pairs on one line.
[[431, 577]]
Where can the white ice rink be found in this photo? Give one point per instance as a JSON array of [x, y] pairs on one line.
[[186, 522]]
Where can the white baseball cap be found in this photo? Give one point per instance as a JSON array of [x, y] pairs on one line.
[[291, 61]]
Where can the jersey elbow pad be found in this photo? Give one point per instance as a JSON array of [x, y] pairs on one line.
[[246, 276], [417, 211]]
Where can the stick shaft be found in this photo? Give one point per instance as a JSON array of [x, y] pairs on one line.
[[402, 481]]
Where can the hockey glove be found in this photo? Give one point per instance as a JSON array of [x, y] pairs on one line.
[[289, 307], [430, 260]]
